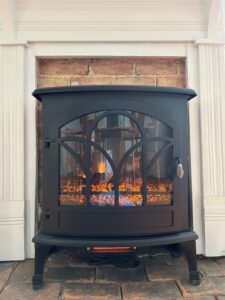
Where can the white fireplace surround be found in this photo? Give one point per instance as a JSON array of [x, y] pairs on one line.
[[205, 68]]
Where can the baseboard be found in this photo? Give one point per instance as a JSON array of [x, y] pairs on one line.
[[12, 230], [214, 220]]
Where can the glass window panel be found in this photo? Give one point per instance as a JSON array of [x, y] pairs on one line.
[[72, 187], [159, 176], [79, 126], [116, 134], [102, 183], [152, 126], [130, 181]]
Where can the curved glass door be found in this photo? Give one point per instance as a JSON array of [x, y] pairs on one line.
[[116, 158]]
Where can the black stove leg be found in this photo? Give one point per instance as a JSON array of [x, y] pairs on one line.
[[41, 253], [190, 252]]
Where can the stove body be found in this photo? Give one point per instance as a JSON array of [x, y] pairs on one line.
[[116, 170]]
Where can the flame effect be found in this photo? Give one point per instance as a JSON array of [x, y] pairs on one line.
[[101, 167], [103, 194]]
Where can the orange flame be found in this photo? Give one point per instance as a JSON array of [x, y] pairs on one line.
[[101, 167]]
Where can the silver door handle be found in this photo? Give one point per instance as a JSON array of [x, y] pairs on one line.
[[180, 170]]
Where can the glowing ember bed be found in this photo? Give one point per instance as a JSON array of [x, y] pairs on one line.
[[116, 169]]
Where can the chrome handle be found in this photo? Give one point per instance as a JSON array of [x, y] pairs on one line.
[[180, 170]]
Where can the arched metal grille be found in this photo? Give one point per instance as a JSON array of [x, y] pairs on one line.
[[116, 158]]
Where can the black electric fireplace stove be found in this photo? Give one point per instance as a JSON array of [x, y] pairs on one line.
[[116, 170]]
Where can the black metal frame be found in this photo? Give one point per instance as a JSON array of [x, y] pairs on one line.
[[161, 224]]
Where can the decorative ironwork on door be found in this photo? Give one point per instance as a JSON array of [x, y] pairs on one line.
[[116, 158]]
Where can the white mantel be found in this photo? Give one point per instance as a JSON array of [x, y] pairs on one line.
[[186, 28]]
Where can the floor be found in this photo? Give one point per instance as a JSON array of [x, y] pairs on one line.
[[70, 276]]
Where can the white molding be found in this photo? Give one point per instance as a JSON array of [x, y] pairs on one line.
[[116, 4], [213, 17], [30, 149], [212, 109], [12, 230], [107, 25], [195, 145], [12, 122], [215, 208], [12, 245], [111, 36], [13, 43], [212, 95], [12, 151], [215, 223], [99, 20], [211, 41], [12, 221], [8, 11], [103, 49]]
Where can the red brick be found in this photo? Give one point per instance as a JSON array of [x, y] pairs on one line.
[[61, 81], [78, 66], [209, 286], [182, 67], [173, 81], [148, 290], [91, 80], [52, 82], [137, 80], [151, 67], [91, 291], [24, 291], [57, 67], [165, 270], [45, 82], [41, 66], [112, 67], [210, 268], [106, 274], [76, 274]]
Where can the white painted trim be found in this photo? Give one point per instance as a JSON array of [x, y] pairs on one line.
[[30, 150], [13, 43], [215, 223], [102, 49], [12, 158], [212, 95], [213, 18], [215, 209], [12, 230], [97, 20], [195, 145], [210, 41], [8, 10]]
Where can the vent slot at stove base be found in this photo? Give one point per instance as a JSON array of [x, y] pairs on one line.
[[44, 244]]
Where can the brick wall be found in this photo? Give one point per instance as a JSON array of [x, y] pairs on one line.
[[131, 71]]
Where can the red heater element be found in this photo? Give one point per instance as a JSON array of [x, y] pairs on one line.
[[111, 249]]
